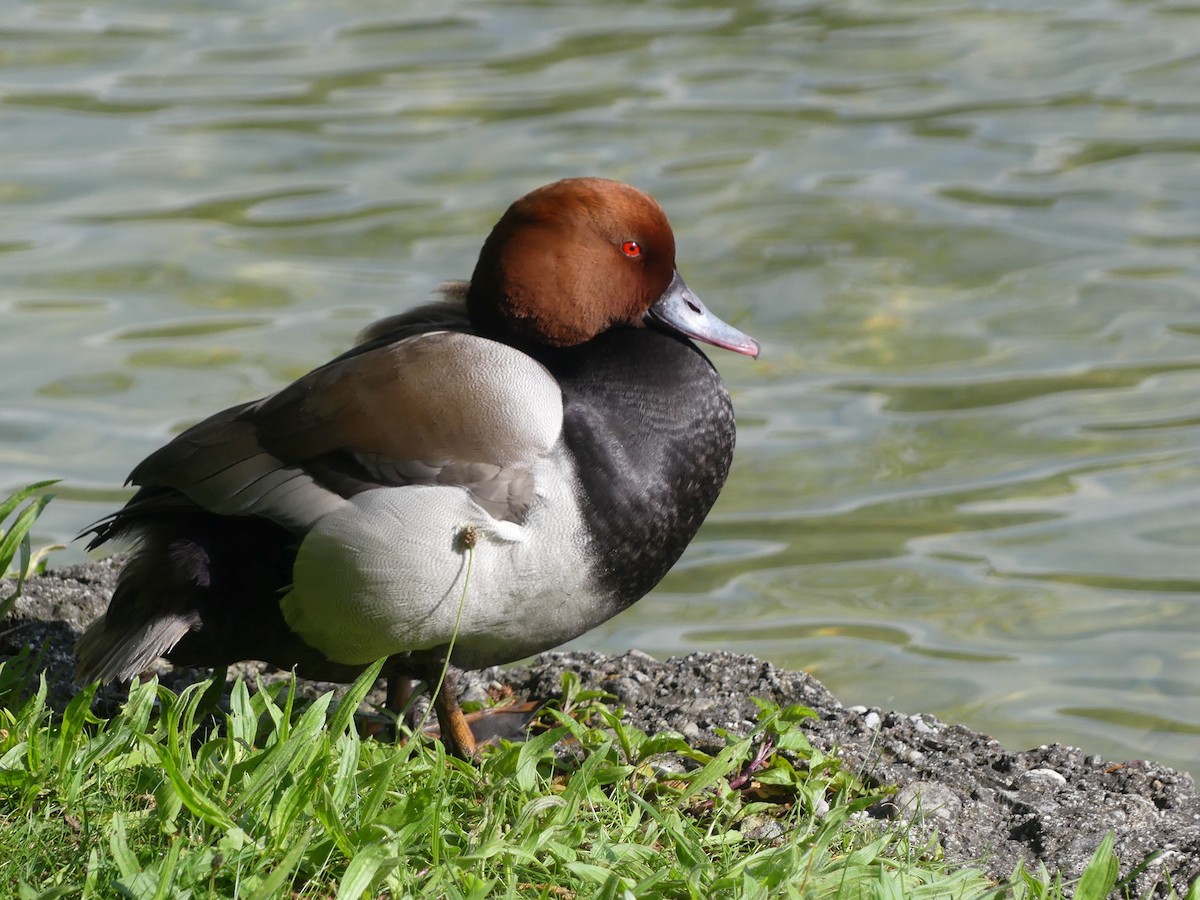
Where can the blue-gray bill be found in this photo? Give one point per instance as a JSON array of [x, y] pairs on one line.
[[680, 309]]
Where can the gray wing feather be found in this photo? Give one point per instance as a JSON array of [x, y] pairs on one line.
[[436, 408]]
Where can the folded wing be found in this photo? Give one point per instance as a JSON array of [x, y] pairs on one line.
[[438, 408]]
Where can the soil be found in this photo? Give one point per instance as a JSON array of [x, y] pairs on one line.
[[989, 806]]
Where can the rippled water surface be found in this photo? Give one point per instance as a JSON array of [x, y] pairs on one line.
[[968, 473]]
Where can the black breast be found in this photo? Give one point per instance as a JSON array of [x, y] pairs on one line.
[[651, 427]]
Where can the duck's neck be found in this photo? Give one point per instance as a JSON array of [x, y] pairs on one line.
[[651, 428]]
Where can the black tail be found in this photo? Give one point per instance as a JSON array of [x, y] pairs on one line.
[[200, 588]]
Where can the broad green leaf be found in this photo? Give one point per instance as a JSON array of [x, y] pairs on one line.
[[363, 869], [1101, 873]]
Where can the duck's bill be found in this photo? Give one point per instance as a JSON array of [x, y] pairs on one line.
[[680, 309]]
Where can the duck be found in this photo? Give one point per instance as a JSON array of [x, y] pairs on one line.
[[477, 480]]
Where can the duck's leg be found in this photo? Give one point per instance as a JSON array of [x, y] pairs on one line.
[[397, 699], [399, 696], [456, 733]]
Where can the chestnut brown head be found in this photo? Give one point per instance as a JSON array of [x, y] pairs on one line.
[[580, 256], [573, 259]]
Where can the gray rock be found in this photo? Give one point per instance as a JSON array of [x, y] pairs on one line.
[[1040, 781], [988, 805], [758, 827], [921, 802]]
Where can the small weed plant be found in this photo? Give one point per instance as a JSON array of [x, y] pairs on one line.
[[15, 543]]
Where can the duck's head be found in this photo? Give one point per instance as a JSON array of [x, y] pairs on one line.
[[580, 256]]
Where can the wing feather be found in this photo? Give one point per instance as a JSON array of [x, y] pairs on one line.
[[437, 408]]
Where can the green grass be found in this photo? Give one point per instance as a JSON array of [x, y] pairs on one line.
[[282, 798]]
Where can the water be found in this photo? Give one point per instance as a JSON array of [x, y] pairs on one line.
[[968, 473]]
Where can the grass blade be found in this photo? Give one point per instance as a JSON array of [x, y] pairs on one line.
[[270, 886], [344, 714], [363, 870], [1100, 875], [200, 805]]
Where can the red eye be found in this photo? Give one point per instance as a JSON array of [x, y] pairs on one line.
[[632, 249]]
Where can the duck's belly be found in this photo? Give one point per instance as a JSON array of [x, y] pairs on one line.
[[414, 568]]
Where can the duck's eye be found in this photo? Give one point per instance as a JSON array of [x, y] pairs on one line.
[[632, 249]]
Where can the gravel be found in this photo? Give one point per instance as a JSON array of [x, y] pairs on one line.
[[989, 806]]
